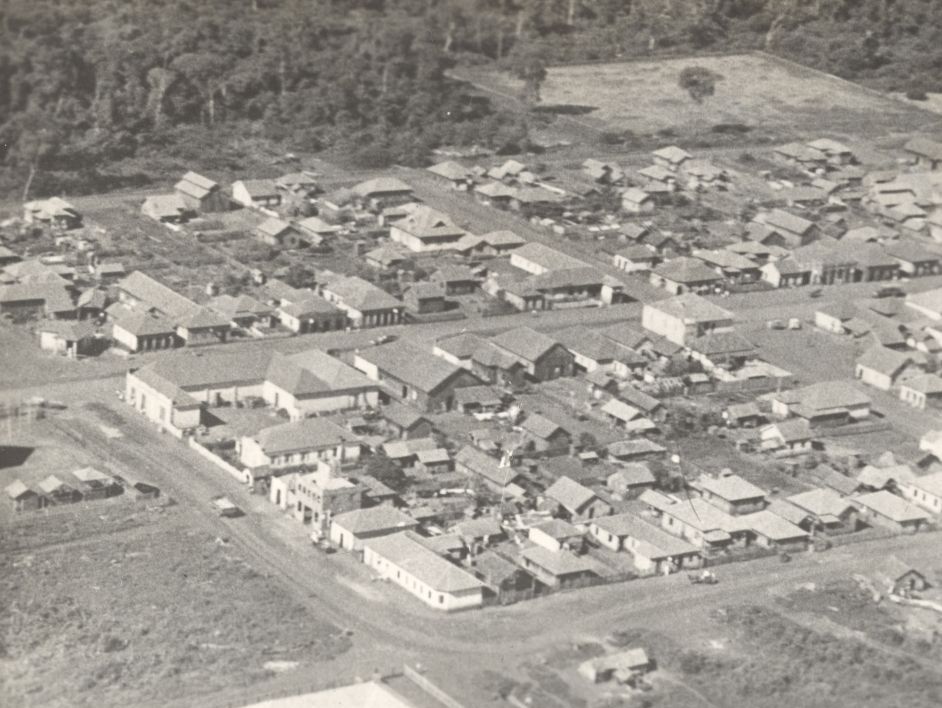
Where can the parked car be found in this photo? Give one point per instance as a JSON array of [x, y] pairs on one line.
[[225, 508], [889, 291]]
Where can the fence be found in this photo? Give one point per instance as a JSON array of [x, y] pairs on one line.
[[241, 475], [856, 429], [758, 385], [430, 688]]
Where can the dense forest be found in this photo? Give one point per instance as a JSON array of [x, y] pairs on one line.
[[91, 90]]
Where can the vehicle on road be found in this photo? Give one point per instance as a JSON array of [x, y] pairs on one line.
[[889, 291], [776, 324], [383, 339], [225, 508], [705, 577]]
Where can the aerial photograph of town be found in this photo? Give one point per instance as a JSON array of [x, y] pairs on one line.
[[471, 353]]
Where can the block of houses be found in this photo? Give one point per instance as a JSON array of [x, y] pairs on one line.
[[545, 435], [383, 191], [823, 403], [885, 509], [881, 367], [487, 469], [622, 415], [414, 375], [702, 524], [365, 304], [458, 348], [166, 208], [686, 275], [914, 261], [559, 569], [827, 509], [256, 193], [311, 314], [404, 559], [685, 317], [142, 293], [574, 502], [926, 491], [671, 157], [592, 350], [542, 357], [537, 259], [731, 494], [298, 443], [655, 551], [435, 461], [890, 477], [201, 194], [922, 392], [69, 338]]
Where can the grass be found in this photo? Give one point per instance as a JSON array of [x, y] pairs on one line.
[[756, 91], [144, 610]]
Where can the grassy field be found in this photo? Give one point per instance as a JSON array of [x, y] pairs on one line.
[[757, 91], [138, 608]]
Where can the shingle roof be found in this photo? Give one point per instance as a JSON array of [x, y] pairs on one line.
[[570, 494], [411, 365], [525, 343]]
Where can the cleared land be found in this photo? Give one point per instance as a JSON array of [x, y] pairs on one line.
[[756, 90]]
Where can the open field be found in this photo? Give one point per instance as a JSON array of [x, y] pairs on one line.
[[756, 90], [149, 611]]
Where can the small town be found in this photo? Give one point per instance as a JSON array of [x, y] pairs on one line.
[[594, 425]]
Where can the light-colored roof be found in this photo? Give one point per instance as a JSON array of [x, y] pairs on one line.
[[653, 542], [929, 384], [411, 365], [546, 257], [374, 519], [930, 483], [779, 219], [307, 434], [480, 463], [691, 308], [360, 294], [450, 170], [503, 238], [732, 487], [687, 270], [406, 551], [672, 154], [526, 343], [879, 477], [274, 227], [371, 694], [620, 410], [17, 490], [165, 205], [157, 295], [540, 426], [821, 502], [772, 526], [891, 506], [336, 374], [258, 188], [382, 185], [558, 563], [883, 360], [570, 494]]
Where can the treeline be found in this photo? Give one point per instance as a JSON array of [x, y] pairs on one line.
[[88, 84]]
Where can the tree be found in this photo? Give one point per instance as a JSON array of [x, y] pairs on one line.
[[381, 468], [698, 81], [529, 65]]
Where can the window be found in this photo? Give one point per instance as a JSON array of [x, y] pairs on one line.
[[441, 599]]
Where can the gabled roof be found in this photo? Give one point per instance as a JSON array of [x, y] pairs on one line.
[[653, 542], [731, 488], [373, 519], [413, 366], [316, 225], [450, 170], [526, 343], [336, 374], [772, 526], [793, 430], [488, 467], [274, 227], [157, 295], [406, 551], [559, 563], [380, 186], [672, 154], [885, 361], [142, 324], [307, 434], [570, 494], [401, 415], [540, 426], [234, 307], [690, 307], [825, 395], [891, 506], [360, 294], [258, 188], [202, 318], [821, 502], [620, 410], [722, 343], [195, 185], [779, 219], [546, 257], [503, 239], [462, 345]]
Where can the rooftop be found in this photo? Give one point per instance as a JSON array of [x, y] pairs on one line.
[[406, 551]]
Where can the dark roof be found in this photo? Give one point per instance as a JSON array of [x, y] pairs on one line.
[[686, 270], [460, 345], [526, 343], [411, 365], [402, 415]]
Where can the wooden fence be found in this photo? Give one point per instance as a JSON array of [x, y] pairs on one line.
[[430, 688]]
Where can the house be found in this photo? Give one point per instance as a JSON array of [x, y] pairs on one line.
[[837, 153], [24, 301], [58, 491], [385, 257], [794, 230], [914, 261], [823, 403], [686, 275], [743, 415], [623, 415], [142, 293], [542, 357], [507, 581], [258, 193], [833, 316], [545, 435], [434, 461], [474, 399], [499, 479], [405, 560], [631, 480], [302, 183], [23, 498], [685, 317], [499, 243], [927, 303], [880, 367], [731, 494], [603, 172], [671, 157], [655, 551], [637, 201], [311, 313], [639, 258], [728, 350], [889, 477], [318, 496], [637, 450], [166, 208], [426, 230], [383, 191], [895, 577], [498, 367], [425, 297], [702, 524], [201, 194], [926, 491], [733, 267], [885, 509], [96, 484], [495, 193], [785, 273], [242, 310], [457, 279], [202, 326], [140, 331], [70, 338], [575, 502], [772, 531], [791, 436], [8, 257], [414, 375], [624, 667], [278, 232], [557, 535], [924, 152], [827, 509], [458, 348], [479, 533], [364, 303], [458, 176], [922, 392], [592, 350], [405, 422], [800, 155], [559, 569], [297, 443], [537, 259], [55, 211], [315, 230]]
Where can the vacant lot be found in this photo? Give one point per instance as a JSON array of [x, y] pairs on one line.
[[757, 91], [140, 608]]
